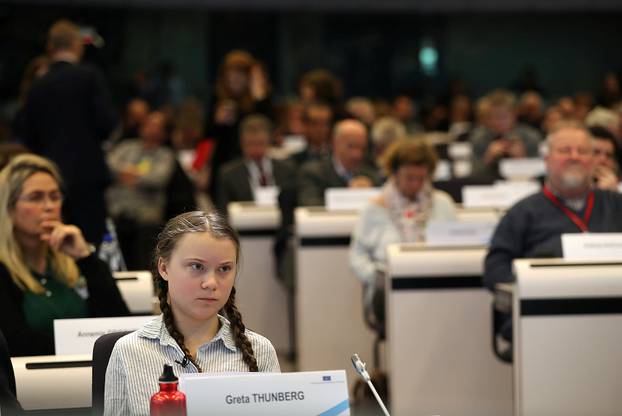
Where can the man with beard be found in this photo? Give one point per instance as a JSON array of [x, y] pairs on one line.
[[568, 203]]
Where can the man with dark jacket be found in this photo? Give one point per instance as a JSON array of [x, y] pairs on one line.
[[344, 168], [240, 178], [67, 116]]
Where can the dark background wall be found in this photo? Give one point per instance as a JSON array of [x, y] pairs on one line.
[[375, 52]]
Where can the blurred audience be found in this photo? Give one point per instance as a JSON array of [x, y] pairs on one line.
[[501, 136], [241, 88], [67, 115], [345, 168], [142, 170], [241, 178], [317, 121]]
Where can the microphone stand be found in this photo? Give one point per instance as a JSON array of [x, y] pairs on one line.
[[359, 366]]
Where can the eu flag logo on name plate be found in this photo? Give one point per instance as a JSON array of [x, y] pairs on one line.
[[325, 378]]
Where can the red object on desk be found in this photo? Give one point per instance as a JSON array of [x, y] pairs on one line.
[[168, 401]]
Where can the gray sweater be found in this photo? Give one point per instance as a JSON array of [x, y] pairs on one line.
[[533, 227]]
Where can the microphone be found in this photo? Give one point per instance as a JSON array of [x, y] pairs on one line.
[[359, 366], [183, 362]]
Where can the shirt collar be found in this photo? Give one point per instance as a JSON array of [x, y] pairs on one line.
[[156, 329]]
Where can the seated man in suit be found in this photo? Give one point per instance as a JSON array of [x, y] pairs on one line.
[[344, 168], [317, 121], [239, 178]]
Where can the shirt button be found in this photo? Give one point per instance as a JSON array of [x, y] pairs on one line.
[[44, 281], [48, 293]]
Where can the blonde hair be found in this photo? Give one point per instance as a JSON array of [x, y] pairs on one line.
[[63, 35], [12, 179]]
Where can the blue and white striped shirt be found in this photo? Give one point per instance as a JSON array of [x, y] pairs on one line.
[[138, 358]]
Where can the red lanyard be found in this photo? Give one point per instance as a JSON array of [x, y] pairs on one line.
[[581, 223]]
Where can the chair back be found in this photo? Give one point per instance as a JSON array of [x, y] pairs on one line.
[[101, 355]]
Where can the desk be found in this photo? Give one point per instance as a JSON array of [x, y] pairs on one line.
[[261, 298], [329, 298], [136, 288], [53, 382], [567, 354], [438, 334]]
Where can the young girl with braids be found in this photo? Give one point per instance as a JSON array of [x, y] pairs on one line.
[[195, 267]]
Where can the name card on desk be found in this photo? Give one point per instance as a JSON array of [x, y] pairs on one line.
[[466, 232], [337, 199], [500, 195], [460, 150], [266, 195], [443, 170], [77, 336], [241, 394], [522, 168], [592, 246]]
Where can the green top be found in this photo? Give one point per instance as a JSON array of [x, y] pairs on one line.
[[58, 301]]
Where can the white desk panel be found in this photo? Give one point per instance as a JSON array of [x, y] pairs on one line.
[[329, 298], [261, 298], [53, 382], [567, 354], [438, 335]]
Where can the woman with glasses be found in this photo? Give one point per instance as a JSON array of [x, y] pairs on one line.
[[47, 269]]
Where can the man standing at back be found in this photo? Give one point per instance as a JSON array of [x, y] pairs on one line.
[[68, 114]]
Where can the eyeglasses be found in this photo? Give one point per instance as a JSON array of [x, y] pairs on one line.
[[39, 198]]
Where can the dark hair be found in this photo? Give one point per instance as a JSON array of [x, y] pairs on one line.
[[601, 133], [409, 151], [199, 222]]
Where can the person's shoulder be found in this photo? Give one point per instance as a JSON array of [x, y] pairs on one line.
[[442, 197], [232, 166], [262, 347], [150, 330], [608, 195], [283, 164], [527, 205], [314, 166], [257, 339]]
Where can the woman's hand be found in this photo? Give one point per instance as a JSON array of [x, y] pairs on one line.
[[65, 238]]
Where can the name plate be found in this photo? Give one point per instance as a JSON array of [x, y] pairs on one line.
[[592, 246], [460, 150], [465, 232], [294, 143], [77, 336], [522, 168], [266, 196], [241, 394], [136, 288], [339, 199], [500, 195], [443, 170]]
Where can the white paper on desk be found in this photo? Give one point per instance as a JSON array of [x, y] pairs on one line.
[[522, 168], [294, 143], [460, 150], [585, 246], [443, 170], [314, 393], [77, 336], [337, 199], [266, 196], [502, 194], [465, 232]]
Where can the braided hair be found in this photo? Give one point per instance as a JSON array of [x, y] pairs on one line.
[[197, 222]]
